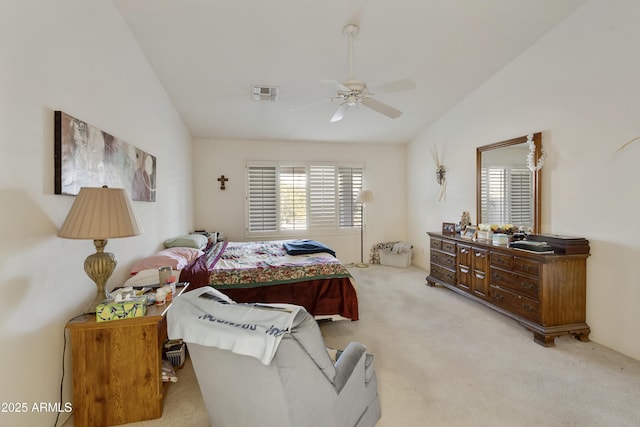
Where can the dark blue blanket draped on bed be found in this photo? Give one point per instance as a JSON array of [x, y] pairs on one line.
[[303, 247]]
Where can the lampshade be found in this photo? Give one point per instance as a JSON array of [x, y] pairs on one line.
[[364, 196], [100, 213]]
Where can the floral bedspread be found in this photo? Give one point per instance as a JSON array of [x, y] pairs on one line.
[[263, 263]]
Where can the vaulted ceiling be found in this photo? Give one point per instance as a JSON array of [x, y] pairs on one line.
[[209, 53]]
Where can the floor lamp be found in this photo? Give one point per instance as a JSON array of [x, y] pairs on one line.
[[99, 214], [364, 197]]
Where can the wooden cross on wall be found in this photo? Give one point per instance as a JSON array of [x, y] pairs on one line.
[[222, 180]]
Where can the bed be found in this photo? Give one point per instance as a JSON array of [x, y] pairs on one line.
[[300, 272]]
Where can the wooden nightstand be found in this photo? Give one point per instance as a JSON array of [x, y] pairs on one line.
[[117, 367]]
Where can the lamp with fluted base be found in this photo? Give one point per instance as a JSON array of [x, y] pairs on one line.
[[364, 197], [99, 214]]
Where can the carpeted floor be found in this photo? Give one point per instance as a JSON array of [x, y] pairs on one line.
[[443, 360]]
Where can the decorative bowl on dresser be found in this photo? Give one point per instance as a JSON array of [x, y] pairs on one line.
[[544, 292]]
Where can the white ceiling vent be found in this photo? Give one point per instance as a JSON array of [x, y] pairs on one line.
[[264, 93]]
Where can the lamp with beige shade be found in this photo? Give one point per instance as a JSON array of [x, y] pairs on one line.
[[99, 214]]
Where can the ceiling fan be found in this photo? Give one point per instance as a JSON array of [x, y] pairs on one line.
[[351, 93]]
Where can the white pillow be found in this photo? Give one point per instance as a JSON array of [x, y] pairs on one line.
[[197, 241], [148, 277]]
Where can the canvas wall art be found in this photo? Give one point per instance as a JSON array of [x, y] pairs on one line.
[[86, 156]]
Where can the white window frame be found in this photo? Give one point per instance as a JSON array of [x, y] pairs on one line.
[[317, 202]]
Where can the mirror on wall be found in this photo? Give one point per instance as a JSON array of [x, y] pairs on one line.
[[507, 191]]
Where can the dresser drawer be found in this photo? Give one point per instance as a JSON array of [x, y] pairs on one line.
[[445, 260], [516, 304], [464, 255], [436, 243], [526, 266], [449, 246], [480, 259], [443, 274], [517, 283], [502, 260]]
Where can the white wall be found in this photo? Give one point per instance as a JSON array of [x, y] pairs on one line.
[[220, 210], [579, 85], [78, 57]]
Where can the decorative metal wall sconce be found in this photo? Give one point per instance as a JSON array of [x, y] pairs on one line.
[[441, 172]]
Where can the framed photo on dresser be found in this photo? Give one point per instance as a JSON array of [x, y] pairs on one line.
[[469, 232], [448, 228]]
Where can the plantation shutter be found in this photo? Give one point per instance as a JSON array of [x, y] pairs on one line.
[[349, 184], [521, 200], [508, 192], [322, 197], [494, 195], [262, 204], [293, 198]]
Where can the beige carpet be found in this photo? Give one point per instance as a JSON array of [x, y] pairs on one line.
[[443, 360]]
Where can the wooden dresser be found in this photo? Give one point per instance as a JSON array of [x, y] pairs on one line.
[[546, 293], [117, 367]]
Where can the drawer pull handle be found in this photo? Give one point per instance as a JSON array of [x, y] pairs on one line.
[[498, 297], [527, 285], [498, 276], [527, 307]]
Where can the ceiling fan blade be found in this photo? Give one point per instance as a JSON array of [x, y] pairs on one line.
[[339, 114], [381, 108], [336, 84], [395, 86]]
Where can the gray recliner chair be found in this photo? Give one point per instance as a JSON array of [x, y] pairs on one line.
[[301, 387]]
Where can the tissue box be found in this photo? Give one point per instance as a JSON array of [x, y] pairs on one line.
[[111, 310], [395, 260]]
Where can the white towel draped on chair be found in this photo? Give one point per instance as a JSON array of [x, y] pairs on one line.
[[249, 329]]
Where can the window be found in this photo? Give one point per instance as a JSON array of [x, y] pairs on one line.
[[322, 196], [508, 190], [261, 197], [288, 198], [349, 184], [293, 198]]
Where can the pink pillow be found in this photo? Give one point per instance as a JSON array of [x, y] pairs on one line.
[[176, 258]]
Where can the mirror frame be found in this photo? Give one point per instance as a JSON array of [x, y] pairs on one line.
[[537, 140]]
